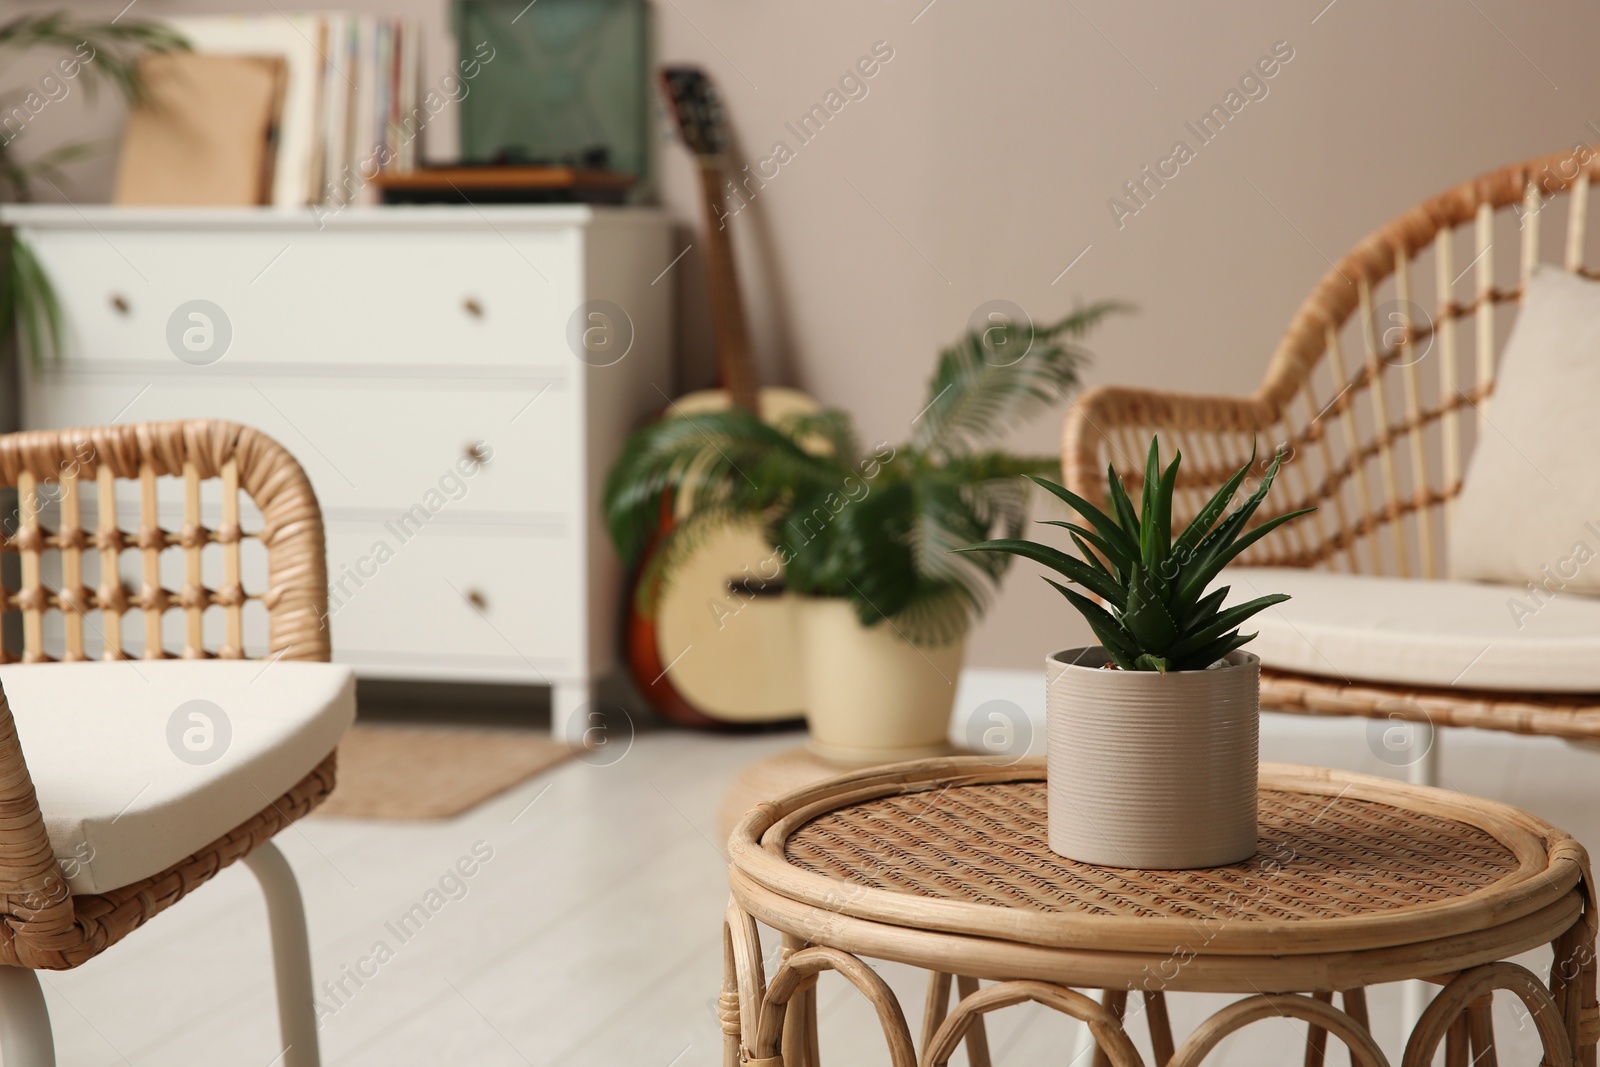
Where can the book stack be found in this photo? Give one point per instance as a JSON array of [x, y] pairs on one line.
[[349, 107]]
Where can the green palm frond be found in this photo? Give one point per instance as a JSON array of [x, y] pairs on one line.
[[29, 302], [972, 400], [878, 528], [938, 615], [943, 520], [995, 466], [96, 53], [829, 428], [715, 457], [688, 535], [861, 551], [108, 51], [994, 486]]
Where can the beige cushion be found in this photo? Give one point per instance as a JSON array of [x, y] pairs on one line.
[[119, 801], [1426, 633], [1529, 508]]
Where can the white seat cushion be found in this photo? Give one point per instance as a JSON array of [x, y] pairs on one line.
[[121, 773], [1473, 635]]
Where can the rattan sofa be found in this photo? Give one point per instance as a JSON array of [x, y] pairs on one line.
[[46, 920], [1376, 394]]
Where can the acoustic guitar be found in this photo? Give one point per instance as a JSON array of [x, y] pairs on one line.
[[720, 649]]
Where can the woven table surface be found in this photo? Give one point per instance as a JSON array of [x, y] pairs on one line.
[[1344, 861], [1317, 857]]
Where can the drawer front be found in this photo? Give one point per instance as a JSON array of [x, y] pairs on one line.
[[507, 597], [367, 447], [325, 299]]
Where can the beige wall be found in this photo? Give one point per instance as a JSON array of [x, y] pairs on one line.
[[981, 161]]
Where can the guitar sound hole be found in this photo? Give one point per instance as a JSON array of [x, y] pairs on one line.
[[754, 587]]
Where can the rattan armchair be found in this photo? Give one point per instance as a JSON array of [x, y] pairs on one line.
[[1376, 393], [44, 924]]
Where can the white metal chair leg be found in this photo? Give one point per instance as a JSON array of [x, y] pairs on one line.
[[1424, 739], [25, 1039], [291, 957]]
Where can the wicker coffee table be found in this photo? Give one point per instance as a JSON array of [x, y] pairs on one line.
[[942, 864]]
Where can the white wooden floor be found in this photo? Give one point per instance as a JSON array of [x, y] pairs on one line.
[[592, 934]]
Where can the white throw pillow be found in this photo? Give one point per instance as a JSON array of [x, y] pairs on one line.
[[1529, 509]]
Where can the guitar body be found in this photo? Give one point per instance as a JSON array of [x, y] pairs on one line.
[[715, 655]]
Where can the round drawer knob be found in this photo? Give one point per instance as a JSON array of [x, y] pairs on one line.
[[120, 305], [476, 598], [476, 452], [472, 307]]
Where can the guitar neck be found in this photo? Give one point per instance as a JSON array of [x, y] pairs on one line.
[[735, 365]]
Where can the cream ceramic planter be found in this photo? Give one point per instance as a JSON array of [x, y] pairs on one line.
[[1148, 770], [870, 696]]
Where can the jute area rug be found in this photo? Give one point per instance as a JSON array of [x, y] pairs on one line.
[[433, 772]]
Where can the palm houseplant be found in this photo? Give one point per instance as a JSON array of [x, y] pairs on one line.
[[1153, 734], [862, 538], [90, 53]]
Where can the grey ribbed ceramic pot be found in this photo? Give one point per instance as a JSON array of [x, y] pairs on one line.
[[1148, 770]]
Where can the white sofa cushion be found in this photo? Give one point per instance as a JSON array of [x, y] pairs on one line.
[[119, 801], [1473, 635], [1529, 508]]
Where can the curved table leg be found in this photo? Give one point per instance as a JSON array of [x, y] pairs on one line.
[[1480, 1031], [754, 1015], [1572, 985], [936, 1007], [744, 984], [800, 971], [1155, 1009], [728, 1008], [1456, 1043], [774, 1025], [1316, 1036], [800, 1020], [1114, 1001], [1323, 1016], [977, 1036], [1355, 1006], [1106, 1027], [1468, 992]]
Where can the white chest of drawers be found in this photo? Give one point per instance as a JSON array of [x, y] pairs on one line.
[[423, 366]]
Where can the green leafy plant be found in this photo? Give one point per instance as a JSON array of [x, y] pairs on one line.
[[99, 53], [875, 527], [1157, 614]]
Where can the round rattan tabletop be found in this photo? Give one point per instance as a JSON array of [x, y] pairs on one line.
[[1357, 880], [1346, 863]]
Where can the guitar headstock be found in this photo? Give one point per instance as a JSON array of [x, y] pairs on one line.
[[696, 109]]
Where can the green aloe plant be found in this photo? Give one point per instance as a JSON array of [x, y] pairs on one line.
[[1158, 615]]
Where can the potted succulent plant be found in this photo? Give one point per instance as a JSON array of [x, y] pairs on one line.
[[863, 537], [1153, 734]]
